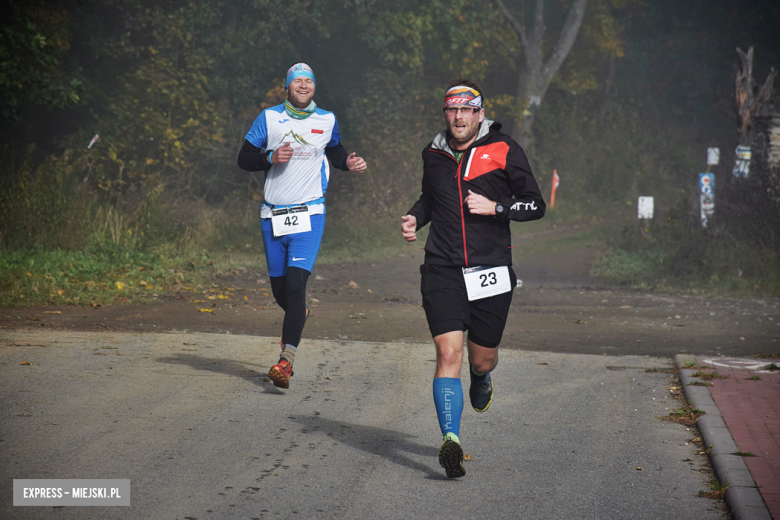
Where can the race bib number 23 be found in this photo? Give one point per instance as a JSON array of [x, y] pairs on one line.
[[482, 282]]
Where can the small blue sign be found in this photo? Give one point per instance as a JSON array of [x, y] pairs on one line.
[[706, 196]]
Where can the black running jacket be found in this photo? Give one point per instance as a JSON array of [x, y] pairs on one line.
[[494, 166]]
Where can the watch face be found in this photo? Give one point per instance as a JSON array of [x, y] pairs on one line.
[[499, 209]]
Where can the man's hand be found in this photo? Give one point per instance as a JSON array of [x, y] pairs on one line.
[[356, 164], [479, 205], [282, 155], [409, 228]]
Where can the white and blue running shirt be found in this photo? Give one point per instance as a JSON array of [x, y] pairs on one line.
[[305, 177]]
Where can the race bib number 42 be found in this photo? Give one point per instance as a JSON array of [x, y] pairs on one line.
[[482, 282], [288, 221]]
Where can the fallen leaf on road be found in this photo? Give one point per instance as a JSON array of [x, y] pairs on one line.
[[466, 456], [580, 322], [541, 363], [639, 469], [206, 310], [52, 312], [25, 363], [353, 284], [625, 306]]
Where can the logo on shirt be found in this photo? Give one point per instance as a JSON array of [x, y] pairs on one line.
[[294, 259], [298, 139], [302, 149], [315, 131], [485, 156], [283, 121]]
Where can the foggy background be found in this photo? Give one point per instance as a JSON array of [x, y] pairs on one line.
[[639, 92]]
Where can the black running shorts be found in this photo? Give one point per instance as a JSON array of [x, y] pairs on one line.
[[447, 306]]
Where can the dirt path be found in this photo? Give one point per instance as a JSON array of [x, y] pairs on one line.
[[559, 308]]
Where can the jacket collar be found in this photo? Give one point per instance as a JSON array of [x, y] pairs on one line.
[[440, 141]]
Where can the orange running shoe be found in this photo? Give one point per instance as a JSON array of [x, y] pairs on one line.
[[281, 373]]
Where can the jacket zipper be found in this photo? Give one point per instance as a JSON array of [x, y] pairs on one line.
[[462, 216], [460, 201]]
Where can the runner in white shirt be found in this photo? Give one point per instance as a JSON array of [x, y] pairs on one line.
[[293, 142]]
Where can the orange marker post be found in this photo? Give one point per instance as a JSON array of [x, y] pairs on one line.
[[556, 181]]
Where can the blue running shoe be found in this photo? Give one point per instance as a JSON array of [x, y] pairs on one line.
[[480, 391], [451, 456]]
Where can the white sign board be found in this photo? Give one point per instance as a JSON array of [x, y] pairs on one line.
[[713, 156], [645, 208]]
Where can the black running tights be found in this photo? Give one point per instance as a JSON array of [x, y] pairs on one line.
[[290, 294]]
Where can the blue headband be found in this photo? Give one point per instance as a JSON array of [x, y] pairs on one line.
[[298, 70]]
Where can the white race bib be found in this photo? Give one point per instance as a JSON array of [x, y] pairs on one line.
[[482, 282], [287, 221]]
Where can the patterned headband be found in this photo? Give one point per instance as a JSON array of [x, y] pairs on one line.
[[462, 95]]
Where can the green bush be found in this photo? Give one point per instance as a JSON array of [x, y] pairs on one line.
[[47, 206], [674, 252]]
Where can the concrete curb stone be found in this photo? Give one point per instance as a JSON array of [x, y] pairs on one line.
[[742, 497]]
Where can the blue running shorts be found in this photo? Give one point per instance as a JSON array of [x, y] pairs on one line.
[[297, 250]]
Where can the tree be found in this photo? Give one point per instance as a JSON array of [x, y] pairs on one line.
[[534, 71], [33, 39], [749, 102]]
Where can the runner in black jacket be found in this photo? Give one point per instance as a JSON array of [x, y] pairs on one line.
[[475, 180]]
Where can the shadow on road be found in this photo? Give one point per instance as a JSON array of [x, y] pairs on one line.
[[226, 367], [392, 445]]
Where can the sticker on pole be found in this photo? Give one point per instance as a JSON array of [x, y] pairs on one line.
[[742, 163], [706, 197]]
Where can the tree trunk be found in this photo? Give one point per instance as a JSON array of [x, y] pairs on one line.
[[748, 102], [535, 73]]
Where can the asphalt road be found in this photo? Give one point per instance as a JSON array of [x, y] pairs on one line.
[[193, 422]]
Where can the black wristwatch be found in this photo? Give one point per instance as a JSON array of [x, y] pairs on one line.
[[500, 210]]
